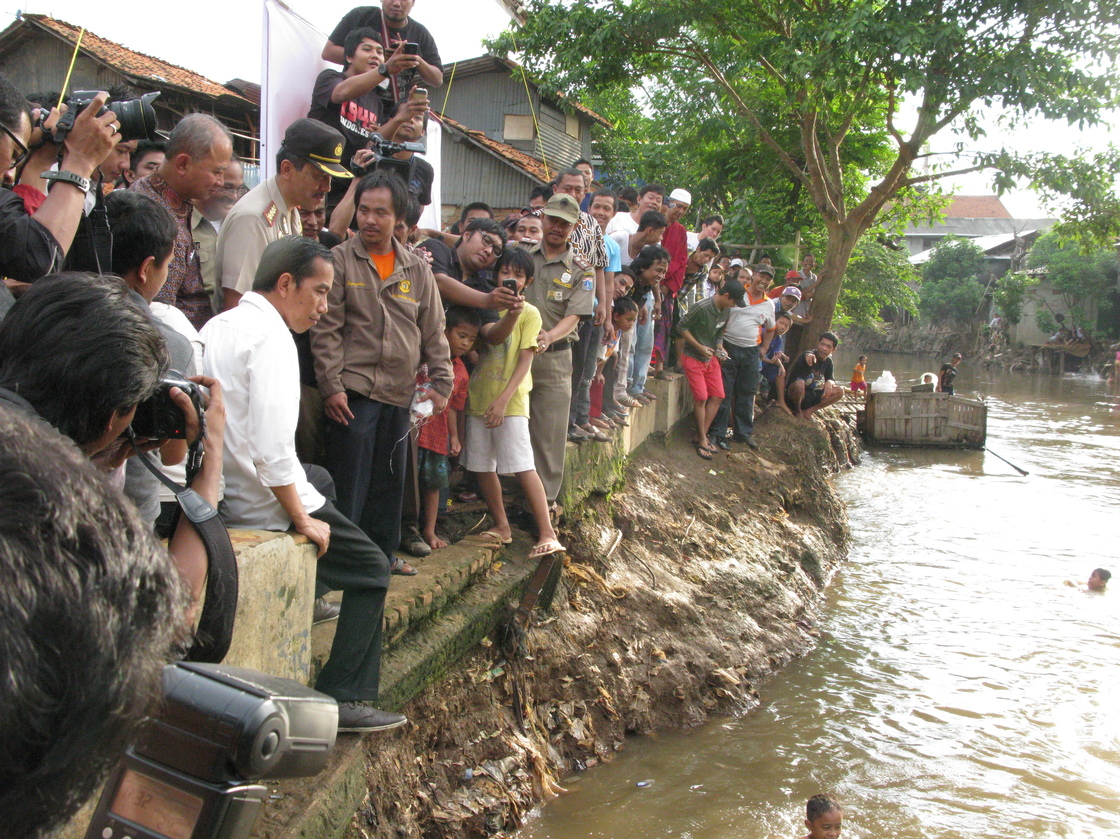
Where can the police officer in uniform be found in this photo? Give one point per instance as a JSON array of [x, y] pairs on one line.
[[563, 289], [309, 157]]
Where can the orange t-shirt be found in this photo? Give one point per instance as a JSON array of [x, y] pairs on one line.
[[857, 373], [385, 263]]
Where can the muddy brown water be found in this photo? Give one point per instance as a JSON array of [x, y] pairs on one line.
[[958, 689]]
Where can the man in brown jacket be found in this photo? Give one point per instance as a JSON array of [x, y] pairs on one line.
[[384, 320]]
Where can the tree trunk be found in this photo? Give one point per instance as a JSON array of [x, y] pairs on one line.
[[842, 239]]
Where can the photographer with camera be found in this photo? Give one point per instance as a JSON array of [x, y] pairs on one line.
[[34, 246], [79, 354], [409, 42], [309, 156], [90, 612]]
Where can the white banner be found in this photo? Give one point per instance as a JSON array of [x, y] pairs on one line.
[[291, 61]]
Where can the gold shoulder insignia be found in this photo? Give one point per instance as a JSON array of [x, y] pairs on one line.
[[270, 213]]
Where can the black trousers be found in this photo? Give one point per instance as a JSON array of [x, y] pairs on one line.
[[367, 458], [354, 565]]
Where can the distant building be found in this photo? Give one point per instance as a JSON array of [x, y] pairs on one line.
[[502, 136], [35, 52], [984, 219]]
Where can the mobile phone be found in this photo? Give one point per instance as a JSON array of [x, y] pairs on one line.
[[418, 94], [411, 48], [511, 285]]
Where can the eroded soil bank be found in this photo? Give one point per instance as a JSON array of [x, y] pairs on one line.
[[688, 586]]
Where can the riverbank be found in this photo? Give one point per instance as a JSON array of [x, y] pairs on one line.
[[682, 591], [941, 342]]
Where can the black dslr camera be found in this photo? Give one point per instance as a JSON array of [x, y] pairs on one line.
[[220, 728], [159, 418], [384, 151], [137, 117]]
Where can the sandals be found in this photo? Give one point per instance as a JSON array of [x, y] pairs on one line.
[[399, 566], [546, 548], [629, 401], [703, 451]]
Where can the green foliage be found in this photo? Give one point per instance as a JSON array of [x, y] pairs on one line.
[[1080, 273], [878, 278], [950, 281], [793, 107], [1011, 291]]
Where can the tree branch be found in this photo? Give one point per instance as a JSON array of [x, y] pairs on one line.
[[939, 175]]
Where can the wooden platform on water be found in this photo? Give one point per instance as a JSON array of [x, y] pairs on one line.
[[935, 420]]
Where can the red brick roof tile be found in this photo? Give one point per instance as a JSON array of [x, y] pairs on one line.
[[132, 63], [976, 206]]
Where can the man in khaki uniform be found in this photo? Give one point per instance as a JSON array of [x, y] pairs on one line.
[[563, 289], [208, 217], [308, 158]]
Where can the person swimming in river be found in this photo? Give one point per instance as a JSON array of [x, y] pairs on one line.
[[823, 817], [1098, 581]]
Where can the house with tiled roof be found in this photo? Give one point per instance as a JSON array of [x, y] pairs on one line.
[[502, 136], [35, 53]]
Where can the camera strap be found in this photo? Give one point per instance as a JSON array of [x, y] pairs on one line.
[[215, 624]]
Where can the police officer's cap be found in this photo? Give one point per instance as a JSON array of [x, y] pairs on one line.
[[318, 143]]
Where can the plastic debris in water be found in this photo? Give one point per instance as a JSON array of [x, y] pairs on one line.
[[468, 774], [643, 783]]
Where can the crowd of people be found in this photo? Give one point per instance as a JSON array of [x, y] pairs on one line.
[[352, 360]]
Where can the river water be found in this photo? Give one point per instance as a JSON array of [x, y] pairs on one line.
[[958, 689]]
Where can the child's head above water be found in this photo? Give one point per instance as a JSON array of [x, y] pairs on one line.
[[514, 264], [823, 816]]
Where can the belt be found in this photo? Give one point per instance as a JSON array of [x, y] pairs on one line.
[[559, 345]]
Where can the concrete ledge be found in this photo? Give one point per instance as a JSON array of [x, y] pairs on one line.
[[272, 628]]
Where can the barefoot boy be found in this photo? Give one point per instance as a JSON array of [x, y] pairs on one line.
[[439, 436], [811, 385], [823, 817], [498, 415]]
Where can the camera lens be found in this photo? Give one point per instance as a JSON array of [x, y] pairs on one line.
[[137, 117]]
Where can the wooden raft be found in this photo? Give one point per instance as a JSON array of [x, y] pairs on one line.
[[926, 419]]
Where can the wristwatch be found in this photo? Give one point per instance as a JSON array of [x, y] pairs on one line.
[[383, 69], [66, 176]]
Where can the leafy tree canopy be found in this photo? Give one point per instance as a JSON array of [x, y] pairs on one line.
[[951, 290], [1078, 273]]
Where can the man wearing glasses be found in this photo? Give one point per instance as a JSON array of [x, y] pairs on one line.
[[210, 212], [309, 156], [463, 272], [34, 246]]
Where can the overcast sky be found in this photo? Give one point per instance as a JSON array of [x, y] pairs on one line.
[[221, 39]]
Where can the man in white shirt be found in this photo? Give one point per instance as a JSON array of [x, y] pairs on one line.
[[749, 330], [250, 351]]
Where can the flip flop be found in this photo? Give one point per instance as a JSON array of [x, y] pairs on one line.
[[489, 537], [703, 452], [546, 549]]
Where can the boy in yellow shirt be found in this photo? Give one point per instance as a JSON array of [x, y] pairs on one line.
[[498, 413]]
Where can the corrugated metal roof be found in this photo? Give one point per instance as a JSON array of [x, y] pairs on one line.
[[972, 227], [985, 243], [515, 158], [490, 63], [128, 62]]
